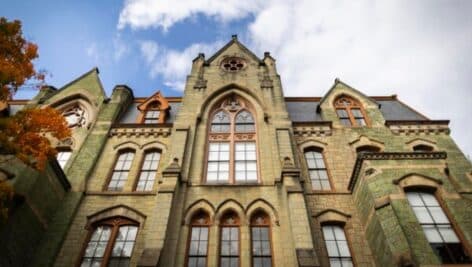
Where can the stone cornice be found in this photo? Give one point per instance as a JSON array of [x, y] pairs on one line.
[[310, 129], [418, 127], [390, 156], [129, 130]]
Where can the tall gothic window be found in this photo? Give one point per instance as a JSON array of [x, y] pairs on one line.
[[111, 243], [121, 170], [437, 228], [317, 169], [350, 112], [197, 250], [148, 172], [337, 246], [260, 240], [229, 240], [232, 153]]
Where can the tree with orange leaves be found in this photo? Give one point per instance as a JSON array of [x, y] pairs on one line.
[[25, 135]]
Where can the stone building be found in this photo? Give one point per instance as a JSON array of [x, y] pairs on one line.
[[233, 173]]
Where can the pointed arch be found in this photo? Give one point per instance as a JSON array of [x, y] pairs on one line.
[[416, 180], [365, 142], [198, 206], [128, 144], [332, 216], [350, 111], [116, 211], [227, 206], [261, 204], [232, 88]]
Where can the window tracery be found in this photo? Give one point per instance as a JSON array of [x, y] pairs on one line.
[[233, 64], [350, 112], [232, 153], [75, 116]]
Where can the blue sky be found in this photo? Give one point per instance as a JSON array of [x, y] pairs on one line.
[[419, 50]]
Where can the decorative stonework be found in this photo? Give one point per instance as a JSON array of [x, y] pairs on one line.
[[136, 132], [233, 64], [390, 156], [318, 130], [418, 127]]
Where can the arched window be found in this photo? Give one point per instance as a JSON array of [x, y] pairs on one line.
[[197, 250], [232, 154], [148, 172], [437, 227], [368, 149], [350, 111], [317, 169], [110, 243], [337, 245], [423, 148], [261, 240], [229, 240], [121, 170], [63, 156]]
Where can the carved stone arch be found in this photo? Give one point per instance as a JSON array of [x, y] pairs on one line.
[[128, 144], [415, 180], [366, 141], [83, 100], [421, 142], [332, 215], [154, 145], [227, 206], [226, 91], [262, 205], [197, 206], [312, 142], [116, 211]]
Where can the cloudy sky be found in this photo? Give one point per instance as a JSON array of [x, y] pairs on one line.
[[419, 50]]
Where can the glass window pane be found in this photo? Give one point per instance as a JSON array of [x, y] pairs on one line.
[[422, 215], [345, 122], [343, 249], [414, 199], [332, 248], [438, 215], [429, 199], [432, 234], [357, 113], [325, 185], [448, 234], [342, 113]]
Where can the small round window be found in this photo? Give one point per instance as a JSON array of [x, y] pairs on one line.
[[233, 64]]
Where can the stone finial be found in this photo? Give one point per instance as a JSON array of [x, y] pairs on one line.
[[234, 37]]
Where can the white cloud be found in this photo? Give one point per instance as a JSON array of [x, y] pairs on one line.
[[173, 65], [419, 50], [164, 13], [92, 52]]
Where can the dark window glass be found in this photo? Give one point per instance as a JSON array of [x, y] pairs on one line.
[[221, 122]]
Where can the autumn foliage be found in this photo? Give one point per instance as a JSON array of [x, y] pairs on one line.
[[16, 55], [27, 134]]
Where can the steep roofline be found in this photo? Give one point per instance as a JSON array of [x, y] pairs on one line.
[[336, 81]]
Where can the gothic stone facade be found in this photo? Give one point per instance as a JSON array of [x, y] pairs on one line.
[[235, 174]]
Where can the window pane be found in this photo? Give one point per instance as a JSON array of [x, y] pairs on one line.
[[422, 215], [448, 235], [345, 122], [342, 113], [356, 113], [438, 215], [432, 234], [332, 248]]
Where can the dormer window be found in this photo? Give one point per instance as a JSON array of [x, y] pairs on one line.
[[154, 110], [152, 114], [350, 112]]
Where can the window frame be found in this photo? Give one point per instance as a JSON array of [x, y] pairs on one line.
[[63, 150], [141, 164], [467, 249], [341, 225], [194, 223], [231, 137], [112, 169], [153, 105], [223, 224], [267, 224], [354, 104], [322, 152], [115, 223]]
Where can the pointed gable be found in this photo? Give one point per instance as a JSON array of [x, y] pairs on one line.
[[340, 88], [87, 86], [154, 109], [234, 48]]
